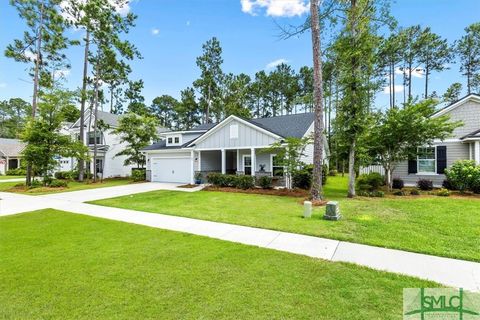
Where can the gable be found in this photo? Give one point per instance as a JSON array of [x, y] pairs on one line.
[[235, 133], [467, 112]]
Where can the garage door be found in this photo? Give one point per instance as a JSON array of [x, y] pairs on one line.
[[171, 170]]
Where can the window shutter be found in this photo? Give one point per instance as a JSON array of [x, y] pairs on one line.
[[412, 166], [441, 159]]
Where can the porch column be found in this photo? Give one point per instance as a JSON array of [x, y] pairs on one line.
[[252, 156], [477, 152], [192, 167], [470, 153], [224, 160], [238, 160], [6, 165], [199, 160]]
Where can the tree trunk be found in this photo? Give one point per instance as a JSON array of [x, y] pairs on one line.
[[316, 191], [95, 123], [351, 170], [81, 162], [409, 82], [393, 84], [427, 71]]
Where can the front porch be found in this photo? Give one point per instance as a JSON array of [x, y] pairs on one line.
[[256, 162]]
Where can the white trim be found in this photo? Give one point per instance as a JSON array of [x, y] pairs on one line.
[[224, 161], [173, 143], [174, 157], [199, 161], [169, 133], [167, 150], [228, 120], [456, 104], [477, 152], [192, 167], [436, 141], [243, 162], [233, 148], [434, 159]]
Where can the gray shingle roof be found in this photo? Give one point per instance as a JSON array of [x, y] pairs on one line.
[[474, 134], [11, 147], [293, 125]]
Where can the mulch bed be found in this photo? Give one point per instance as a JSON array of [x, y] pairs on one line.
[[188, 186], [297, 193]]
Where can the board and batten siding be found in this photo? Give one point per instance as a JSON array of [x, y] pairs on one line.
[[247, 137], [455, 151]]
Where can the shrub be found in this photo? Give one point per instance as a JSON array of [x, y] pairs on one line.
[[370, 182], [58, 183], [463, 175], [214, 178], [302, 179], [16, 172], [397, 183], [448, 185], [36, 184], [378, 194], [139, 175], [64, 175], [443, 193], [414, 192], [425, 184], [400, 193], [244, 182], [333, 173], [265, 182]]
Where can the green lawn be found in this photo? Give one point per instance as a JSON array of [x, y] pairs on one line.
[[72, 186], [10, 177], [57, 265], [434, 225]]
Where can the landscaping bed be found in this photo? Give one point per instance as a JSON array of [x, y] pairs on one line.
[[274, 192], [58, 265]]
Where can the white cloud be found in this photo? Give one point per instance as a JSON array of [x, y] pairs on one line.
[[121, 8], [30, 55], [397, 88], [188, 23], [275, 63], [3, 85], [155, 31], [276, 8], [417, 73]]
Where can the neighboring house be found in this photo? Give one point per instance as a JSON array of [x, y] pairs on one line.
[[432, 161], [10, 154], [233, 146], [108, 145]]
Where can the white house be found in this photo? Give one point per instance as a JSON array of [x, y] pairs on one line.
[[233, 146], [108, 145], [10, 154]]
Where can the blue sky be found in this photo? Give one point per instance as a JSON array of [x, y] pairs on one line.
[[170, 33]]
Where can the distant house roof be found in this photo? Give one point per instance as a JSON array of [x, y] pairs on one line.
[[293, 125], [474, 134], [11, 147]]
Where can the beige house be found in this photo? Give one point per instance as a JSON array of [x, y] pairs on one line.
[[10, 154]]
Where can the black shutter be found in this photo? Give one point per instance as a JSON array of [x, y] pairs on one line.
[[441, 159], [412, 166]]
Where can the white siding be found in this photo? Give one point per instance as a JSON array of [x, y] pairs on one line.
[[469, 114]]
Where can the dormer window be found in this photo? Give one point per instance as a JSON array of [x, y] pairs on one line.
[[175, 140]]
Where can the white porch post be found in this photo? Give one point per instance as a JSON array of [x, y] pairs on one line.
[[199, 160], [192, 167], [253, 160], [6, 164], [470, 148], [224, 160], [477, 152], [238, 160]]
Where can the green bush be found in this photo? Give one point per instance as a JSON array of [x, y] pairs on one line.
[[36, 183], [400, 193], [244, 181], [302, 178], [265, 182], [16, 172], [425, 184], [139, 175], [58, 183], [370, 182], [443, 193], [374, 194], [397, 183], [414, 192], [65, 175], [463, 175], [333, 173]]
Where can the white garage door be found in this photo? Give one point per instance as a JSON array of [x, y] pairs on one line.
[[171, 170]]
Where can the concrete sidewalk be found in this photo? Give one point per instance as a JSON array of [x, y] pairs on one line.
[[450, 272], [13, 180]]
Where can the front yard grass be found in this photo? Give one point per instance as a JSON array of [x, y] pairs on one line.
[[18, 187], [10, 177], [58, 265], [434, 225]]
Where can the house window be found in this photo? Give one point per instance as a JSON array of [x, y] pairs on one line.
[[170, 140], [234, 131], [174, 140], [247, 164], [91, 138], [99, 165], [426, 160], [277, 168], [177, 140]]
